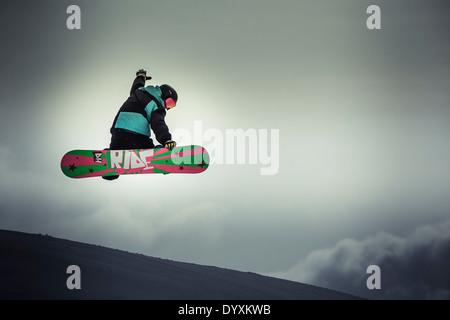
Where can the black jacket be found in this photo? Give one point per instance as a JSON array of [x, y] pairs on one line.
[[142, 111]]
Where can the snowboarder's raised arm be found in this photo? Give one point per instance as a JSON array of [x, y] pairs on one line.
[[137, 83], [141, 76]]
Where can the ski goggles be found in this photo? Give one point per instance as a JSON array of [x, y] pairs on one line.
[[170, 103]]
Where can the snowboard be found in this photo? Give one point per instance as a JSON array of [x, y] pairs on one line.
[[95, 163]]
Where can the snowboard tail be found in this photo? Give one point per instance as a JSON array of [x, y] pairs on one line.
[[96, 163]]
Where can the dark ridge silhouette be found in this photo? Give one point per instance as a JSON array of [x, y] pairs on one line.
[[34, 266]]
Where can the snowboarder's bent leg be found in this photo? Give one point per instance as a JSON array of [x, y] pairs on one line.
[[125, 140]]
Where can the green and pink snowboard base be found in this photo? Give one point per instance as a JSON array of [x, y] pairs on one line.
[[96, 163]]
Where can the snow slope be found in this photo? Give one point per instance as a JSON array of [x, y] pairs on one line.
[[35, 267]]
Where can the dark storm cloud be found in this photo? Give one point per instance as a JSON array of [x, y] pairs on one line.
[[414, 266]]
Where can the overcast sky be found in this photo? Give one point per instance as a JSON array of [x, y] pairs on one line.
[[362, 115]]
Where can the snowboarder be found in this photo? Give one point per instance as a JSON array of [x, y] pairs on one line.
[[144, 110]]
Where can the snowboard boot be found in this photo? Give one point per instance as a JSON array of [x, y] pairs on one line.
[[110, 178]]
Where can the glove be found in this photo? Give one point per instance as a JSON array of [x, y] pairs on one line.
[[170, 144], [142, 73]]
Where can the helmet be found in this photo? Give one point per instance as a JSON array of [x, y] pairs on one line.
[[169, 96]]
